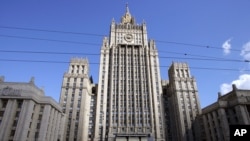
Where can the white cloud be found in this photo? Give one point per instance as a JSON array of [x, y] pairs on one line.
[[243, 82], [226, 47], [245, 52]]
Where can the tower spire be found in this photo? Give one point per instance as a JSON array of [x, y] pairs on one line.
[[127, 9], [127, 18]]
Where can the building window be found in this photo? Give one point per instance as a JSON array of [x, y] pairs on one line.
[[38, 126], [41, 108], [36, 135], [17, 113], [40, 117], [28, 134], [12, 133], [1, 113], [5, 101], [14, 123], [82, 68], [19, 103]]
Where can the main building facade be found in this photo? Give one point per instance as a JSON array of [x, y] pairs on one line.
[[129, 93], [129, 103]]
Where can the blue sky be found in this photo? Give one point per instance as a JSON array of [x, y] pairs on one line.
[[199, 29]]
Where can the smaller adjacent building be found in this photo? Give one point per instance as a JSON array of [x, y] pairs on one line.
[[182, 104], [26, 114], [78, 101], [230, 109]]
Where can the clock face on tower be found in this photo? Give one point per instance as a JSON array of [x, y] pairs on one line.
[[128, 37]]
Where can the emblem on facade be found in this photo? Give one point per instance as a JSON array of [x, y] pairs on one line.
[[128, 37], [8, 91]]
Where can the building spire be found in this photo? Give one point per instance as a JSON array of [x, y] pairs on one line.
[[127, 18], [127, 9]]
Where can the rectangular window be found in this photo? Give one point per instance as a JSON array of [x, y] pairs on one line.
[[14, 123], [1, 113], [12, 133], [38, 126], [5, 103], [17, 114], [41, 108], [28, 134], [40, 117], [19, 103]]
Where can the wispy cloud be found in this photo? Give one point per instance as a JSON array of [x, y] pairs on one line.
[[243, 82], [245, 52], [226, 47]]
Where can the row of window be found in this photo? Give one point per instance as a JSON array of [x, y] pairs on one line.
[[74, 79], [129, 54], [182, 73], [77, 68]]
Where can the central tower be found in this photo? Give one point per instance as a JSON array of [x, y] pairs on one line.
[[129, 98]]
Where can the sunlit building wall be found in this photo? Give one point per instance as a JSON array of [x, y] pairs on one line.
[[129, 97], [184, 104], [78, 101], [232, 108], [26, 114]]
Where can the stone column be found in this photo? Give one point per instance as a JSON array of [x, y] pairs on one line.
[[24, 120], [8, 117], [241, 112], [44, 123], [224, 123]]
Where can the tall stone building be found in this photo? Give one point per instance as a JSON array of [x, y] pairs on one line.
[[183, 102], [129, 105], [77, 101], [26, 114]]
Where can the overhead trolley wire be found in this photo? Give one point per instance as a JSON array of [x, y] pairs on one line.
[[93, 34], [63, 62], [94, 44], [194, 45], [206, 58], [53, 40], [53, 31], [48, 52], [203, 56]]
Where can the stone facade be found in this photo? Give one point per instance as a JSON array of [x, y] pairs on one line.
[[129, 96], [182, 103], [78, 101], [26, 114], [231, 108]]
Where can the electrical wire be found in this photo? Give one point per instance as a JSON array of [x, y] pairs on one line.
[[205, 58], [201, 58], [52, 31], [67, 62], [93, 34], [194, 45], [48, 52], [53, 40]]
